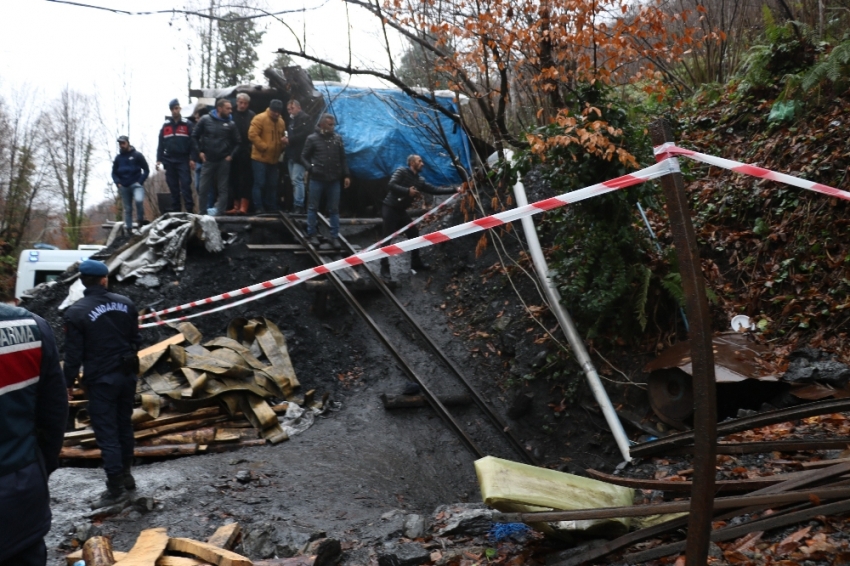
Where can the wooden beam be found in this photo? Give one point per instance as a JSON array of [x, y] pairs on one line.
[[208, 552], [148, 548], [97, 551], [225, 536]]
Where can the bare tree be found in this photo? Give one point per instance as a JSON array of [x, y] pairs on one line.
[[69, 146], [21, 168]]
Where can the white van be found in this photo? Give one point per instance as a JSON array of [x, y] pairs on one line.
[[44, 266]]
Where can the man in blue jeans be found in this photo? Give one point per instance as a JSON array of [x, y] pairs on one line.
[[324, 159], [129, 173], [297, 129]]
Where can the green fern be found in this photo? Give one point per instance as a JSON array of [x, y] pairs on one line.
[[832, 68], [672, 283]]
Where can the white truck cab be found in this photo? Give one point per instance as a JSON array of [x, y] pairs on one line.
[[43, 266]]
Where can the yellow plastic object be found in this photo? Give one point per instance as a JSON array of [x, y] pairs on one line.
[[512, 487]]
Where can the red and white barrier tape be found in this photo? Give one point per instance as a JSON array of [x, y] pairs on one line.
[[274, 285], [428, 214], [670, 149]]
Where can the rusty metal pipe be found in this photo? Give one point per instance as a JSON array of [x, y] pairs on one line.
[[705, 391]]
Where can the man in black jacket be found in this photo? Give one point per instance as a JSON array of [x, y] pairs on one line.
[[33, 411], [102, 335], [297, 131], [241, 176], [174, 152], [405, 185], [324, 159], [216, 141], [129, 173]]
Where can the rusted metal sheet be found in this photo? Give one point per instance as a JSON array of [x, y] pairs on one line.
[[735, 356]]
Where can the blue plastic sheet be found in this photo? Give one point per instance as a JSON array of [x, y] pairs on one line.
[[381, 127]]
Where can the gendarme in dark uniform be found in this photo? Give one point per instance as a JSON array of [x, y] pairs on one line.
[[33, 410], [102, 335]]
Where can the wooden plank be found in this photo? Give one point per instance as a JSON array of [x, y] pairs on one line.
[[179, 561], [159, 346], [169, 419], [78, 555], [225, 536], [208, 552], [148, 548], [138, 452]]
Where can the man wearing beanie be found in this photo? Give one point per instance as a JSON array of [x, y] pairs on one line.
[[102, 336], [174, 152], [268, 136]]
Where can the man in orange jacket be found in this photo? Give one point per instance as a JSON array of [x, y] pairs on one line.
[[268, 138]]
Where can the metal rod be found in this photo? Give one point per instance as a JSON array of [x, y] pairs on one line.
[[569, 329], [705, 389], [479, 400], [355, 304], [735, 502], [746, 423]]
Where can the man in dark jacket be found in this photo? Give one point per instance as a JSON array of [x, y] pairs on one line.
[[102, 335], [216, 141], [324, 159], [33, 411], [174, 152], [405, 185], [297, 131], [241, 176], [129, 173]]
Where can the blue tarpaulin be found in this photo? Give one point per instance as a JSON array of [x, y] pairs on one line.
[[381, 127]]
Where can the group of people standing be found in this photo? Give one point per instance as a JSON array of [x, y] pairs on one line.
[[236, 157]]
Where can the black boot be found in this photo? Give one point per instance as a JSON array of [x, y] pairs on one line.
[[416, 262], [115, 492], [385, 268], [129, 480]]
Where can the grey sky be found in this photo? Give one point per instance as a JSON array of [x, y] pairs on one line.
[[141, 62]]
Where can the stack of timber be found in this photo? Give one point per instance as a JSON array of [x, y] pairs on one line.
[[212, 397]]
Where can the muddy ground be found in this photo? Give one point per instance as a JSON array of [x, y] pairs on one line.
[[349, 472]]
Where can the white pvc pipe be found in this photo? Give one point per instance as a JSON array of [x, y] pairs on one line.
[[569, 329]]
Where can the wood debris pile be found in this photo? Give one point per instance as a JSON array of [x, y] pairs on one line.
[[209, 397], [155, 548]]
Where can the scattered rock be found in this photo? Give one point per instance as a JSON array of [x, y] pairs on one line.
[[328, 552], [243, 476], [148, 281], [414, 526], [501, 324], [557, 557], [521, 405], [808, 365], [464, 518], [455, 555], [540, 359], [265, 540], [405, 554]]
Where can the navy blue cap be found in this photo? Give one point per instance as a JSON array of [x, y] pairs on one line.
[[174, 102], [93, 267]]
